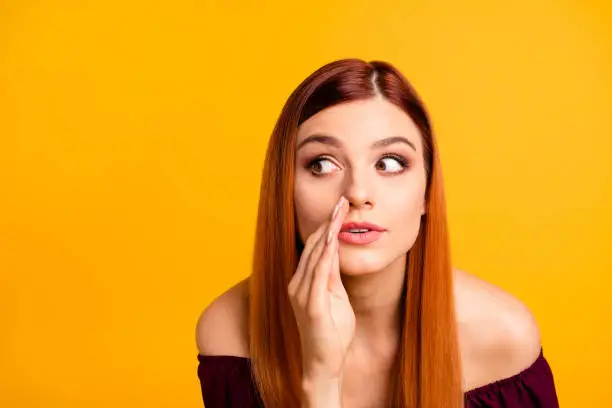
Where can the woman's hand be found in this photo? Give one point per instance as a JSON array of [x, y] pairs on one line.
[[324, 315]]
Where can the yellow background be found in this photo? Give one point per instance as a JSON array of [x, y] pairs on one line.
[[132, 137]]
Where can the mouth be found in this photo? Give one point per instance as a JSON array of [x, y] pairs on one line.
[[360, 227], [360, 233]]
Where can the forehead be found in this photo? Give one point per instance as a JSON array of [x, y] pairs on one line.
[[360, 123]]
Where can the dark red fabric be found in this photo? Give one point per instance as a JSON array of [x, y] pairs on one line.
[[226, 383]]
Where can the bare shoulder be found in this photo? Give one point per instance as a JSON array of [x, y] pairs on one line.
[[222, 326], [498, 334]]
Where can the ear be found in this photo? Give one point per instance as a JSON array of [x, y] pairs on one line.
[[423, 208]]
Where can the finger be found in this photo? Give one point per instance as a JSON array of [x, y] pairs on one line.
[[334, 283], [335, 272], [309, 245], [318, 292], [315, 256], [325, 265], [310, 265], [330, 261], [336, 263]]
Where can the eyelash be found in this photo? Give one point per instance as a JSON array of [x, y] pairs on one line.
[[400, 159]]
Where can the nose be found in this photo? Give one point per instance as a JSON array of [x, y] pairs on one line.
[[359, 190]]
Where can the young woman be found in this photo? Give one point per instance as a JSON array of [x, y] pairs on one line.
[[353, 301]]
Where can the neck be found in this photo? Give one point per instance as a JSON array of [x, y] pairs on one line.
[[376, 301]]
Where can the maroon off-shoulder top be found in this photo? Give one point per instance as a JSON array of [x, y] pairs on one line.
[[226, 382]]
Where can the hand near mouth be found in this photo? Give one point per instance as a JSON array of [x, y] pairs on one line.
[[323, 312]]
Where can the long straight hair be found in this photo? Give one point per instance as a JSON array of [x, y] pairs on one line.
[[427, 371]]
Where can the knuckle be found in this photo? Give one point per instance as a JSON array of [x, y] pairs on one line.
[[311, 239], [319, 268], [300, 300], [295, 304], [313, 311], [291, 289]]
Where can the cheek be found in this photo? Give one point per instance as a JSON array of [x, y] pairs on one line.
[[406, 199], [406, 207]]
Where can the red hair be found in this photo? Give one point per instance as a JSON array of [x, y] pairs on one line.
[[427, 370]]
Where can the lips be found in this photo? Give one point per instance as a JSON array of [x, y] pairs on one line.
[[360, 233], [360, 227]]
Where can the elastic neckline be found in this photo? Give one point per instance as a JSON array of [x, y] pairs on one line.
[[487, 388]]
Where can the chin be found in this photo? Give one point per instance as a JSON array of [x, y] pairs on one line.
[[359, 262]]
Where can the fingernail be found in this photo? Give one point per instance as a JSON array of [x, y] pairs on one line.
[[329, 235], [337, 207]]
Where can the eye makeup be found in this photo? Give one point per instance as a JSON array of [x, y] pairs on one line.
[[314, 164]]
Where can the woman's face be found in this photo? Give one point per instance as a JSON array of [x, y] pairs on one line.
[[370, 152]]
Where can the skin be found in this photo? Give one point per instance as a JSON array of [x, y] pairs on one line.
[[346, 297], [372, 157], [379, 190]]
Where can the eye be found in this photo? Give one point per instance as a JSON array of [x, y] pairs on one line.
[[322, 165], [392, 164]]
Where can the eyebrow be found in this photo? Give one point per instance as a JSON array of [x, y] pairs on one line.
[[332, 141]]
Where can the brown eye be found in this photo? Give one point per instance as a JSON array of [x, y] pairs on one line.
[[322, 166], [391, 164]]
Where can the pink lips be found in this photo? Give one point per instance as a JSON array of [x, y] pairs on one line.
[[360, 233]]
